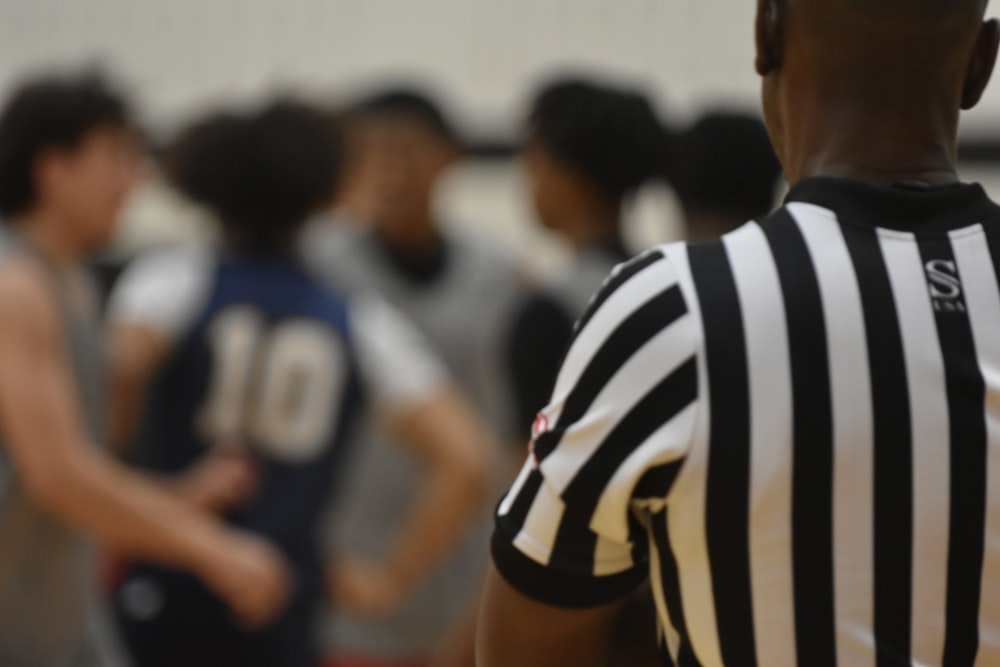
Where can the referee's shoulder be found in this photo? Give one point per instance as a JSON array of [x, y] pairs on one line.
[[671, 261], [689, 275], [637, 279], [647, 293]]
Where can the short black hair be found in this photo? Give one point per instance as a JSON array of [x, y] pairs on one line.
[[54, 111], [725, 164], [262, 173], [612, 136], [408, 103]]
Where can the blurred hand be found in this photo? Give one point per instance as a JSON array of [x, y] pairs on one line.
[[362, 590], [251, 576], [225, 478]]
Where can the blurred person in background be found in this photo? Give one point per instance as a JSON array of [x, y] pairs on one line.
[[241, 348], [457, 289], [725, 173], [589, 148], [69, 156]]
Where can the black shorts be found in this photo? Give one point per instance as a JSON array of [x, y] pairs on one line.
[[171, 620]]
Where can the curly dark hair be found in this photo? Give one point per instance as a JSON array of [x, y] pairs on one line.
[[612, 136], [724, 164], [262, 173], [54, 111]]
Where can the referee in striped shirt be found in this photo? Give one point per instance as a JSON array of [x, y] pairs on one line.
[[792, 432]]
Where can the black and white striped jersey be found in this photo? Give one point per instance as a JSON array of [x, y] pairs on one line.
[[794, 431]]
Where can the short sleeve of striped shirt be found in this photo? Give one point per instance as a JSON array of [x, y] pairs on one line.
[[605, 451]]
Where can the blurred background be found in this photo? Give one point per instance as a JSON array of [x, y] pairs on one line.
[[484, 61], [481, 58]]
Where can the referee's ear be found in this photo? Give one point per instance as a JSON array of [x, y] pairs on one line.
[[981, 64], [769, 35]]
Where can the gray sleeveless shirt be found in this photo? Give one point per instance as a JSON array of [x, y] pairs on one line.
[[48, 603], [462, 316]]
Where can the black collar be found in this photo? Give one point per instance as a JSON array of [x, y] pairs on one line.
[[903, 206]]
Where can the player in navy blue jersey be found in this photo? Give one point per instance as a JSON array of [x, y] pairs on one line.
[[239, 348]]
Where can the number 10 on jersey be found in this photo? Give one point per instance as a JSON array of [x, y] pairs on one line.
[[276, 384]]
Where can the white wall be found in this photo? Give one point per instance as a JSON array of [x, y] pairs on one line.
[[484, 56]]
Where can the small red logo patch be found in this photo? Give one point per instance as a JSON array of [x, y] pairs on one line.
[[540, 426]]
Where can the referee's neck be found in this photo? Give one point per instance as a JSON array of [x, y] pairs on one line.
[[875, 148]]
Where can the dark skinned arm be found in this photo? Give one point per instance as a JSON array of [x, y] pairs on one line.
[[516, 630]]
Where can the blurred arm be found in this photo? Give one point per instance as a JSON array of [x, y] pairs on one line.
[[152, 305], [223, 478], [72, 480], [65, 474], [135, 352], [429, 419], [516, 630], [448, 438]]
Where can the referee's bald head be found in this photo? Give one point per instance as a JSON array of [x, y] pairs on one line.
[[894, 10], [905, 64], [886, 15], [873, 36]]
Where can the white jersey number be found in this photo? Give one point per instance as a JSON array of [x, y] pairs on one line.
[[279, 385]]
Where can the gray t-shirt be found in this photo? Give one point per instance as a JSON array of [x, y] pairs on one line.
[[50, 614], [462, 313]]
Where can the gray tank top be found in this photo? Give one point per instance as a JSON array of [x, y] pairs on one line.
[[49, 612], [463, 315]]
